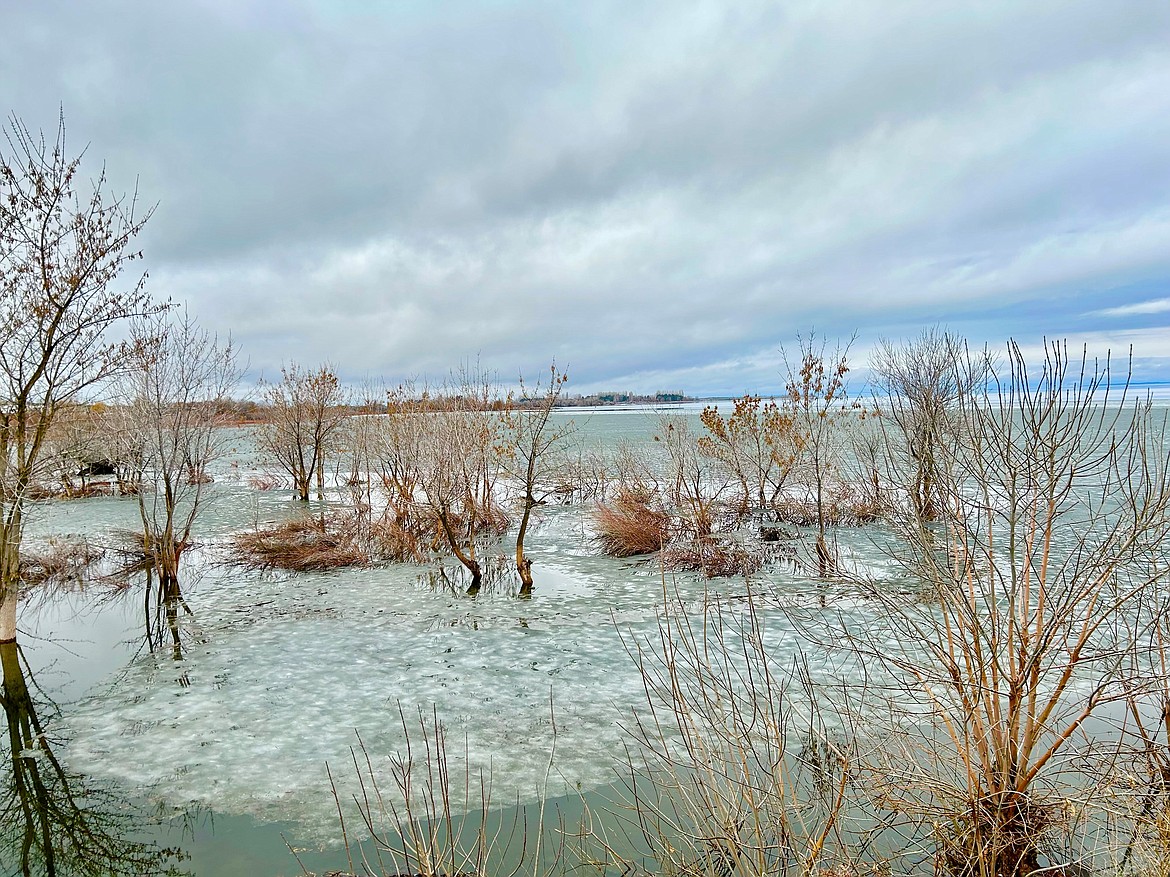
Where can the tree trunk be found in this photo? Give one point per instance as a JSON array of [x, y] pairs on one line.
[[463, 557], [9, 590], [171, 595], [523, 564]]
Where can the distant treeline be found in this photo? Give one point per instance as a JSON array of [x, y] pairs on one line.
[[610, 398], [241, 411]]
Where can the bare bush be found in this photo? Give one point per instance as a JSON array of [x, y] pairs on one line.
[[435, 820], [1040, 585], [730, 769], [310, 544], [445, 451]]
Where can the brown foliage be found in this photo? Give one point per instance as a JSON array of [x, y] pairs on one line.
[[61, 562], [630, 525], [302, 545], [715, 558]]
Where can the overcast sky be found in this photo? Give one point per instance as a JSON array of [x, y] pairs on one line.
[[657, 195]]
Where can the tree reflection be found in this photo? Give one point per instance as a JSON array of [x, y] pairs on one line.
[[53, 822], [163, 603]]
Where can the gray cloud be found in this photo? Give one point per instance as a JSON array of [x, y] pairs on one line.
[[654, 194]]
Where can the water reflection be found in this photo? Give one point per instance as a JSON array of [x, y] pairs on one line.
[[55, 822], [162, 605]]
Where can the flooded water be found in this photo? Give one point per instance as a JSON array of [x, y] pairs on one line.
[[281, 675], [291, 693]]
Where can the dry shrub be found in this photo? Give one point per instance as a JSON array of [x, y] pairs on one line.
[[61, 563], [630, 525], [715, 558], [265, 481], [303, 545], [403, 536], [843, 507]]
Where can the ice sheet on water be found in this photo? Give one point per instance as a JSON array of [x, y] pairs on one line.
[[282, 676]]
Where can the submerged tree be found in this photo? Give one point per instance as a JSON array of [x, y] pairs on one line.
[[446, 452], [305, 412], [818, 403], [180, 374], [62, 252], [532, 439], [756, 443], [54, 822]]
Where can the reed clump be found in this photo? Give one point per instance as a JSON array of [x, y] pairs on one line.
[[302, 545]]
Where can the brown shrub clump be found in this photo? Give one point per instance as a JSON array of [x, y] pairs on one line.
[[303, 545], [715, 558], [630, 525]]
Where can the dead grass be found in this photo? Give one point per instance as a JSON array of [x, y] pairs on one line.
[[714, 557], [62, 562], [266, 481], [303, 545], [630, 525]]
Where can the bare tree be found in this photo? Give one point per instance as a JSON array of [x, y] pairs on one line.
[[62, 252], [445, 451], [1040, 586], [181, 373], [922, 381], [532, 439], [305, 413]]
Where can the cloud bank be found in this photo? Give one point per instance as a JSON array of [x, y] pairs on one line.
[[656, 195]]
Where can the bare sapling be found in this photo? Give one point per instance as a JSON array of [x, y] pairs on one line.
[[181, 372], [731, 767], [533, 439], [437, 819], [305, 412]]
